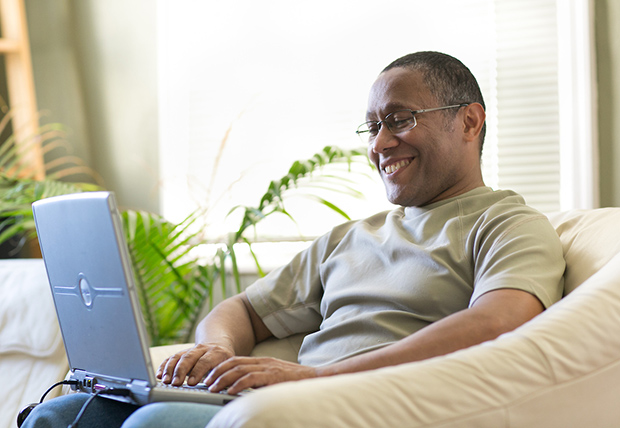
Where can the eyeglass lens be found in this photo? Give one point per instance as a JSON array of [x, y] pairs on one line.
[[398, 121]]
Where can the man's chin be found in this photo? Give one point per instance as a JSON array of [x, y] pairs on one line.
[[405, 200], [398, 194], [398, 199]]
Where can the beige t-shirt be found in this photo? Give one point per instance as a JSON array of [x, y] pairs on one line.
[[372, 282]]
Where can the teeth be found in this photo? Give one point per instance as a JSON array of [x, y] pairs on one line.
[[395, 167]]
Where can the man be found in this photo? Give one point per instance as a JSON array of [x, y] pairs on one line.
[[457, 264]]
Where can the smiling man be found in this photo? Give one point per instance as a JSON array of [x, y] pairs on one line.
[[441, 158], [455, 265]]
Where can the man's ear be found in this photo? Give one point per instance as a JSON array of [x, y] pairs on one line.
[[473, 119]]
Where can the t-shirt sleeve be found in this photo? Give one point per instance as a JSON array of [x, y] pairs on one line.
[[524, 253], [288, 299]]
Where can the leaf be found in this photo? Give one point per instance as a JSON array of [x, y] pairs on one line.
[[330, 206], [173, 285], [304, 174]]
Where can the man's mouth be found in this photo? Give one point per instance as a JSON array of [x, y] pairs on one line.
[[390, 169]]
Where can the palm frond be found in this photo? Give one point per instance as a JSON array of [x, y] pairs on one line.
[[173, 286], [17, 196], [19, 189], [301, 174], [305, 174]]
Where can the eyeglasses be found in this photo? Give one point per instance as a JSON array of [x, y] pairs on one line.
[[397, 122]]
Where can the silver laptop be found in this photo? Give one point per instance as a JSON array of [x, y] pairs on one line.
[[91, 278]]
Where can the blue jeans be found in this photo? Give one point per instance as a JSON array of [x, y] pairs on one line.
[[106, 413]]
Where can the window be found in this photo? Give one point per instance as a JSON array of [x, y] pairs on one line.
[[278, 80], [546, 142]]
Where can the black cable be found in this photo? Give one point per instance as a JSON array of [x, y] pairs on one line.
[[106, 391], [83, 409], [23, 414], [62, 382]]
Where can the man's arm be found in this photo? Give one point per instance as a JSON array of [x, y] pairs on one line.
[[231, 328], [492, 314]]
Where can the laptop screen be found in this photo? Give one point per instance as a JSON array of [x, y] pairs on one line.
[[90, 275]]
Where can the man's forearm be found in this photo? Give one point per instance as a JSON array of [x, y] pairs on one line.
[[440, 338], [228, 325], [232, 328], [494, 313], [232, 324], [461, 330]]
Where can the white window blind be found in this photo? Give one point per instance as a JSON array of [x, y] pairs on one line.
[[278, 80], [527, 96]]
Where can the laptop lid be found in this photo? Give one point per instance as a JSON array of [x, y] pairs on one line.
[[91, 279]]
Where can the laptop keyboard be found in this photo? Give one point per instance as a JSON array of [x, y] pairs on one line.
[[201, 387]]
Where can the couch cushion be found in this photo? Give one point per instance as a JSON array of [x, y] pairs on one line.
[[32, 355], [590, 238], [28, 323]]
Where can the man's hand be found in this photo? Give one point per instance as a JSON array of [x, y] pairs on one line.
[[239, 373], [231, 328], [194, 363]]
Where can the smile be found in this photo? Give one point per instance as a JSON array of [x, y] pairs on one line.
[[390, 169]]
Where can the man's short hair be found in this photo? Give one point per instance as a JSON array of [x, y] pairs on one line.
[[448, 79]]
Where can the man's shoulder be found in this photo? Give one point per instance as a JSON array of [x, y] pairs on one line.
[[509, 215], [489, 203], [486, 197], [492, 213], [511, 204]]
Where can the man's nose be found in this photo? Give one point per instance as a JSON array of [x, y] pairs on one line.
[[384, 140]]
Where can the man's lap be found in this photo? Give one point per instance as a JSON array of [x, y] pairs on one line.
[[106, 413]]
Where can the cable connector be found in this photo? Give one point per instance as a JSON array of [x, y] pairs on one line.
[[123, 392]]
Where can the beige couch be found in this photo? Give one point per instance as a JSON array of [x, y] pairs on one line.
[[562, 369], [32, 355]]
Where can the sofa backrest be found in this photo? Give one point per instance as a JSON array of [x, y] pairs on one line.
[[590, 238]]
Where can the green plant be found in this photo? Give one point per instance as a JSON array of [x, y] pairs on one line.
[[16, 198], [19, 188], [171, 283], [174, 284]]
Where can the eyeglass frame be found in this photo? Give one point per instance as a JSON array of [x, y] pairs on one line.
[[413, 113]]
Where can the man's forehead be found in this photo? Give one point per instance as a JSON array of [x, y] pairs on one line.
[[397, 89]]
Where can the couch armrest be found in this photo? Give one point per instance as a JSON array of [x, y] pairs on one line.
[[284, 349]]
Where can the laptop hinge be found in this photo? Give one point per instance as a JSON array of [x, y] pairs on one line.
[[92, 383]]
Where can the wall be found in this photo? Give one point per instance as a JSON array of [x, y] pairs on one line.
[[95, 71], [56, 72], [607, 36]]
